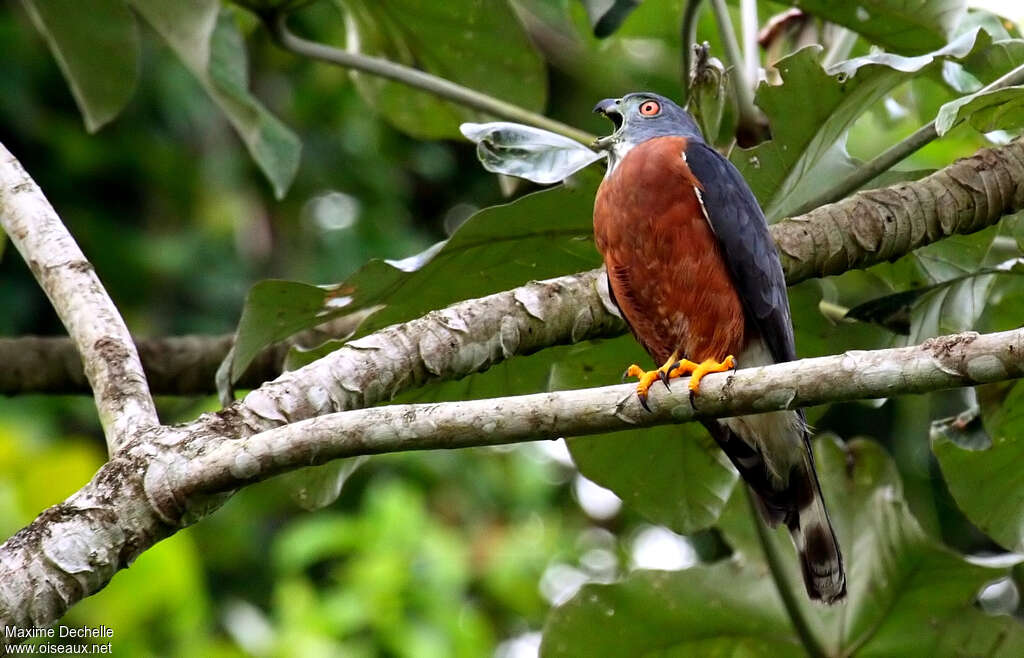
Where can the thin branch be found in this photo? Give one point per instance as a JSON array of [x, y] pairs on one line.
[[966, 359], [108, 354], [775, 568], [688, 35], [174, 365], [897, 152], [440, 87]]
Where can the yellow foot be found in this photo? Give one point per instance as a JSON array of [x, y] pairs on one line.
[[697, 371], [671, 368]]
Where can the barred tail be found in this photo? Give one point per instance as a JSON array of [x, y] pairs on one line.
[[798, 505]]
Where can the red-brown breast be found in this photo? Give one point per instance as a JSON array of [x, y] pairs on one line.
[[666, 268]]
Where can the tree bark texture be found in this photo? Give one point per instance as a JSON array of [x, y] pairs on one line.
[[870, 227], [164, 478]]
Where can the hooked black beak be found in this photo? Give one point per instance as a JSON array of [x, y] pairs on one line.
[[609, 107]]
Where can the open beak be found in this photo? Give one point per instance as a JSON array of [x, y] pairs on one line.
[[609, 107]]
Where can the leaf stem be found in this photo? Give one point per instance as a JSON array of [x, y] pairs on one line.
[[774, 561], [896, 153], [748, 29], [741, 83], [842, 43], [440, 87]]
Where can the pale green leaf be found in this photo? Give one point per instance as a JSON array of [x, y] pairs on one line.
[[1002, 109], [903, 26], [807, 148]]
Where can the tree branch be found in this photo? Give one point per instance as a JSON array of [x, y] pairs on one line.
[[893, 155], [884, 224], [111, 363], [868, 228], [161, 483], [174, 365], [966, 359]]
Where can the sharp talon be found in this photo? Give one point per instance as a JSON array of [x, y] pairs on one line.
[[693, 395], [663, 376], [643, 402]]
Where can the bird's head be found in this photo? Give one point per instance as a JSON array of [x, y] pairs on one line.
[[641, 116]]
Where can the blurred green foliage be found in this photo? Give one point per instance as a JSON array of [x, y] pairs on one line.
[[464, 553]]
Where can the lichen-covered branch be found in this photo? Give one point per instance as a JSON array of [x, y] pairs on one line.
[[74, 548], [883, 224], [869, 227], [965, 359], [108, 354], [164, 481]]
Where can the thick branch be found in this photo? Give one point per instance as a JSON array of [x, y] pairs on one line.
[[869, 227], [883, 224], [111, 363], [965, 359], [73, 549]]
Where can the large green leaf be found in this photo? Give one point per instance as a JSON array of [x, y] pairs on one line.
[[96, 45], [538, 236], [908, 595], [906, 591], [477, 44], [210, 45], [984, 477], [673, 475], [725, 609], [903, 26], [807, 150]]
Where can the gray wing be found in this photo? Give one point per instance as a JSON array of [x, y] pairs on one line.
[[742, 231]]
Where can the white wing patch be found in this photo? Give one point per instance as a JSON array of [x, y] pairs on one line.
[[700, 200]]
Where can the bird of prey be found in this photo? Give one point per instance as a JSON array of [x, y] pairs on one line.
[[694, 272]]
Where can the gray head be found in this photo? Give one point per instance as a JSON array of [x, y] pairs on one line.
[[641, 116]]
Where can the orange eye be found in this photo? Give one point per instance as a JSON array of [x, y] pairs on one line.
[[650, 108]]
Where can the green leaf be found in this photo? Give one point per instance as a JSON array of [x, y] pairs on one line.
[[985, 479], [673, 475], [724, 609], [210, 45], [273, 311], [902, 26], [807, 150], [479, 45], [904, 587], [96, 45], [607, 15], [540, 235], [908, 595], [962, 297], [1002, 109]]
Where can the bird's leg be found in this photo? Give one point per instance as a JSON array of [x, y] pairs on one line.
[[698, 370], [647, 378]]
